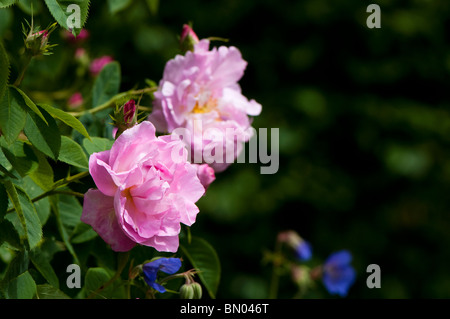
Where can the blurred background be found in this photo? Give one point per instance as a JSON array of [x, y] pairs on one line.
[[364, 120]]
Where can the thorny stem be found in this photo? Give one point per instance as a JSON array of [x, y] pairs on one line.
[[26, 63], [112, 101], [61, 183], [275, 272]]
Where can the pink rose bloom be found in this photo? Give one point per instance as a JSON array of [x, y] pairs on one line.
[[98, 64], [205, 174], [83, 36], [199, 92], [76, 100], [146, 188]]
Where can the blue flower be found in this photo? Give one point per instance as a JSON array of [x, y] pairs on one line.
[[338, 274], [166, 265], [303, 251]]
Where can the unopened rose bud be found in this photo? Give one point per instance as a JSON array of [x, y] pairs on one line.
[[129, 110], [37, 42], [188, 39], [75, 101], [98, 64], [125, 117]]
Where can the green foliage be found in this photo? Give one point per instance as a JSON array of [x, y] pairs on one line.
[[65, 117], [7, 3], [59, 10], [12, 114], [47, 291], [46, 138], [118, 5], [96, 278], [107, 84], [204, 259], [97, 144], [72, 153], [4, 70], [25, 218]]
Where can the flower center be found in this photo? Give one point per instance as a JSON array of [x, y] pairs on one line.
[[205, 107]]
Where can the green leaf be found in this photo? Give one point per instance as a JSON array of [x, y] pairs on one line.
[[9, 234], [66, 118], [31, 229], [7, 3], [97, 144], [20, 155], [33, 190], [22, 287], [43, 265], [5, 171], [65, 17], [107, 84], [16, 267], [3, 202], [83, 233], [96, 278], [6, 19], [153, 6], [12, 115], [25, 6], [72, 153], [49, 292], [30, 104], [203, 258], [70, 211], [54, 200], [46, 138], [117, 5], [43, 176], [4, 70]]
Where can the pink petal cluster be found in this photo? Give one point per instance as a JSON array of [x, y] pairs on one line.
[[199, 92], [76, 100], [82, 36], [205, 174], [98, 64], [146, 188]]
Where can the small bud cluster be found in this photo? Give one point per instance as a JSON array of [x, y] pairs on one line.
[[37, 41]]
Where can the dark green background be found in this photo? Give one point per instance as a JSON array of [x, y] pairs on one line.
[[364, 130]]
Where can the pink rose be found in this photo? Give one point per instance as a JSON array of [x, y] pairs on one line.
[[98, 64], [205, 174], [146, 188], [199, 93], [76, 100], [82, 37]]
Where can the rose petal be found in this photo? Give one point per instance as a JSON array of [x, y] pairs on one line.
[[98, 211]]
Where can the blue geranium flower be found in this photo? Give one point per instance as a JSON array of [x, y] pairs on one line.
[[166, 265], [338, 274], [303, 251]]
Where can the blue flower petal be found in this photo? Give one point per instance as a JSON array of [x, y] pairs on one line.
[[338, 274], [170, 265], [304, 251], [166, 265]]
